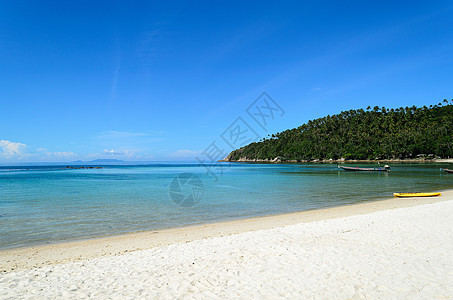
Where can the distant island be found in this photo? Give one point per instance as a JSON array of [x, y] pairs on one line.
[[99, 161], [376, 133]]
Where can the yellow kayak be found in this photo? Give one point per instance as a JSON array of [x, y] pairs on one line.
[[416, 194]]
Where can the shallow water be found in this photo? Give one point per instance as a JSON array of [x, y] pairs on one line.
[[48, 204]]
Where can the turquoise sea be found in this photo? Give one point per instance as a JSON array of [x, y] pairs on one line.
[[42, 204]]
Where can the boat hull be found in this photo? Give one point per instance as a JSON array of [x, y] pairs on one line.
[[363, 169], [410, 195]]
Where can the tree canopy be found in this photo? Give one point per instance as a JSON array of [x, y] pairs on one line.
[[374, 133]]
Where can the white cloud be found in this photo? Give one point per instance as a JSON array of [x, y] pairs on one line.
[[10, 149], [14, 151], [126, 152]]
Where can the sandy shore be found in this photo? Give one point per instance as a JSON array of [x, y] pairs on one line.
[[390, 248], [446, 160]]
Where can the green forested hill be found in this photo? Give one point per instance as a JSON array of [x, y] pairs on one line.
[[377, 133]]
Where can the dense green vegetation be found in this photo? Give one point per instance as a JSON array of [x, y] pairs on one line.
[[377, 133]]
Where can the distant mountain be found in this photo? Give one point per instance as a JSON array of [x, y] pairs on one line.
[[371, 134]]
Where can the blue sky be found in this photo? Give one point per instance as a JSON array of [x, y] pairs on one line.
[[147, 80]]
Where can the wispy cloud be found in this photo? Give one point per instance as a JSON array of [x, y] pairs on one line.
[[114, 152], [146, 48], [185, 154], [120, 139], [126, 154], [112, 134], [49, 155], [116, 71], [316, 89], [132, 145]]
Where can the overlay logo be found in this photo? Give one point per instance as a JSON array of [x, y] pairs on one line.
[[186, 189]]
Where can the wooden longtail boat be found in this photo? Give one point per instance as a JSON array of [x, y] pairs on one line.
[[401, 195], [384, 169], [447, 170]]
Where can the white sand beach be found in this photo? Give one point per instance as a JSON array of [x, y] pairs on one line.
[[445, 160], [397, 248]]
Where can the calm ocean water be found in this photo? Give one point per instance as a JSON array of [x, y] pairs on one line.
[[48, 204]]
